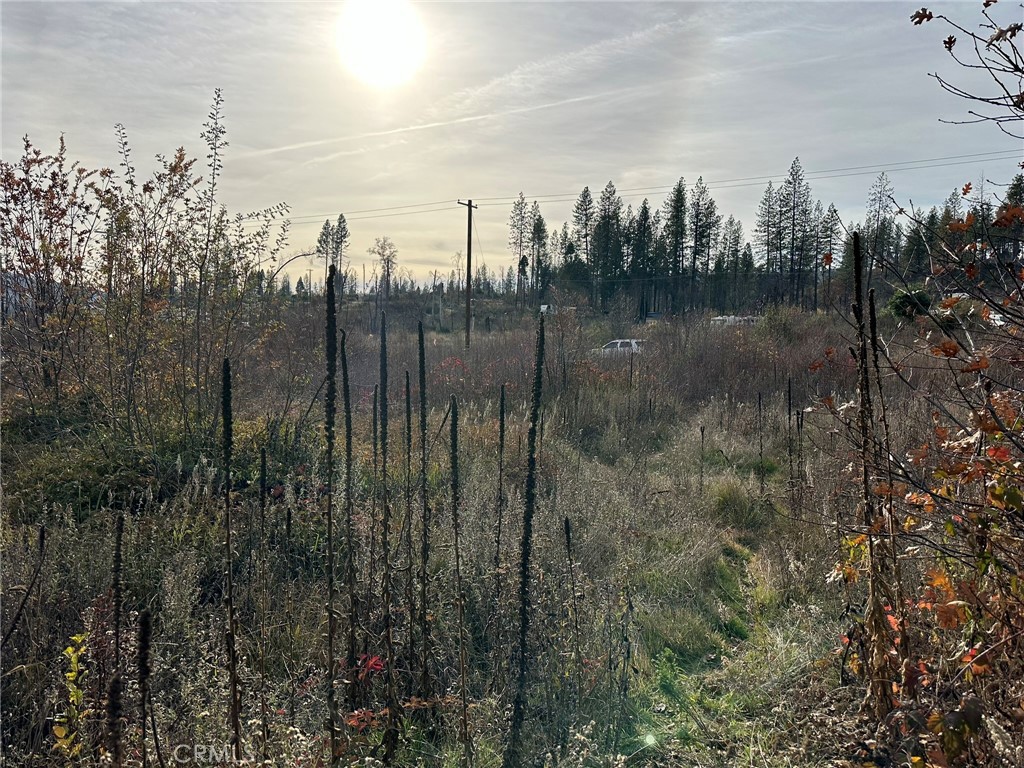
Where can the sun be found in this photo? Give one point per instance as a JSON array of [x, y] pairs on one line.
[[381, 42]]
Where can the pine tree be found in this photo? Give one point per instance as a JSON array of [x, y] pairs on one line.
[[879, 225], [768, 238], [794, 213], [584, 213], [817, 221], [1007, 239], [518, 243], [675, 232], [914, 254], [340, 237], [608, 252], [538, 250], [641, 262], [763, 225], [324, 245], [704, 226]]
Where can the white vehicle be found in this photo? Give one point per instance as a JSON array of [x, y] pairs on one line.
[[620, 347]]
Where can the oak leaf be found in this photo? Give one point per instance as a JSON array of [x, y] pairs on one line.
[[921, 16], [978, 365]]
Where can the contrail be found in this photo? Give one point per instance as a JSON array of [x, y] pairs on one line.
[[429, 126]]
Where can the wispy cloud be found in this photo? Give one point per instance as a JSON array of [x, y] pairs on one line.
[[425, 127], [560, 71]]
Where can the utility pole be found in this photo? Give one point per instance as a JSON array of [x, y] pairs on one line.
[[469, 267]]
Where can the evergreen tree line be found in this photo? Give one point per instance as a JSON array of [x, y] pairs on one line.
[[687, 256]]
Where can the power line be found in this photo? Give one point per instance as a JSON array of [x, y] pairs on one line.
[[762, 179], [1011, 152], [355, 214], [749, 181], [479, 245]]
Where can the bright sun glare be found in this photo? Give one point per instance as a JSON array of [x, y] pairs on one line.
[[381, 42]]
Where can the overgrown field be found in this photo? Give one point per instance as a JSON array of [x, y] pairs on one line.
[[670, 574]]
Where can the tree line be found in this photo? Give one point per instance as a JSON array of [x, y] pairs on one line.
[[687, 256]]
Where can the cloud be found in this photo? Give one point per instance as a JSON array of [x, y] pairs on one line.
[[558, 72], [423, 127]]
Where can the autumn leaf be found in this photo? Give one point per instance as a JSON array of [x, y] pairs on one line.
[[920, 17], [816, 366], [972, 271], [1005, 34], [998, 453], [827, 259], [918, 455], [946, 349], [967, 189], [949, 42], [939, 579], [989, 3], [962, 226], [950, 615], [978, 365], [949, 302], [1009, 214]]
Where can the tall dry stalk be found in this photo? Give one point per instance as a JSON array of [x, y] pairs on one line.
[[264, 605], [512, 757], [877, 699], [460, 598], [410, 604], [231, 632], [426, 686], [145, 643], [760, 444], [499, 501], [898, 601], [350, 545], [577, 655], [394, 717], [115, 586], [371, 558], [330, 409], [114, 725], [31, 587]]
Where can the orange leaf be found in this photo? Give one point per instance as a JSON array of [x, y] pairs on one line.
[[962, 226], [998, 453], [1008, 216], [946, 349], [950, 302], [978, 365], [972, 271], [827, 259], [950, 615], [967, 189]]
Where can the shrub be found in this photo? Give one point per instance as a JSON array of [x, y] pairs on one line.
[[910, 304]]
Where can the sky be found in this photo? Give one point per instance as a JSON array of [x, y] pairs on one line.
[[535, 97]]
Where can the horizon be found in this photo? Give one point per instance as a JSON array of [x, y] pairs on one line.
[[543, 98]]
